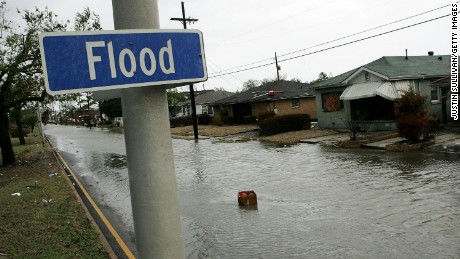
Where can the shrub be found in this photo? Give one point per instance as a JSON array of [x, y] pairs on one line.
[[181, 121], [266, 115], [411, 115], [228, 120], [249, 119], [432, 126], [285, 123], [14, 131], [204, 119]]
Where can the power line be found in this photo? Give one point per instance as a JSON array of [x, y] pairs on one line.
[[321, 44], [224, 78], [333, 47], [366, 38], [324, 43], [242, 70], [219, 67], [249, 64], [371, 29]]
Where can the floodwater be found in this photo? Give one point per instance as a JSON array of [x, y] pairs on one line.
[[313, 201]]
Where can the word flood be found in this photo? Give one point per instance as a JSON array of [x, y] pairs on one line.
[[128, 56]]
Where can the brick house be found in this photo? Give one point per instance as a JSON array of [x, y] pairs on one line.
[[282, 97]]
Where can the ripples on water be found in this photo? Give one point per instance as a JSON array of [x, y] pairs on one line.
[[313, 201], [317, 202]]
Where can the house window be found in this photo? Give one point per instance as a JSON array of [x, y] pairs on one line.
[[435, 94], [186, 110], [438, 93], [205, 109], [295, 103], [331, 101]]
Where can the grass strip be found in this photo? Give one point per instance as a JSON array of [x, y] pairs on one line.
[[40, 216]]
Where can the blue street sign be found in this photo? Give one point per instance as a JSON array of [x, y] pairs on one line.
[[102, 60]]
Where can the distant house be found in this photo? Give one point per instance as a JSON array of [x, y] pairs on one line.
[[203, 99], [368, 93], [281, 97], [85, 116]]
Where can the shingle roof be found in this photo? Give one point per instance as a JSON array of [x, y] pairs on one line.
[[284, 90], [209, 97], [399, 68]]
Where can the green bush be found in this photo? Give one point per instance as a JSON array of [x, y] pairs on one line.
[[249, 119], [228, 120], [204, 119], [411, 115], [181, 121], [285, 123], [14, 131], [266, 115]]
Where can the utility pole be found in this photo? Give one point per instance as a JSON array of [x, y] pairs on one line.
[[2, 13], [89, 114], [151, 170], [184, 21], [278, 68]]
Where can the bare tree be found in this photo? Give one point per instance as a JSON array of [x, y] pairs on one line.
[[21, 79], [355, 125]]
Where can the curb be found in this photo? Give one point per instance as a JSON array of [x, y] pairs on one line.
[[113, 243]]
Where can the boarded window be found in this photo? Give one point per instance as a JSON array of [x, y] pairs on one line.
[[331, 101]]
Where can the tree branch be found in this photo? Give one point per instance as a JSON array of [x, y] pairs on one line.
[[40, 98]]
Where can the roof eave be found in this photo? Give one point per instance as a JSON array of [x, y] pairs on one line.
[[266, 99], [331, 86], [359, 70], [418, 77]]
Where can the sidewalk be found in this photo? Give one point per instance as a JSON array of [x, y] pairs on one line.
[[444, 142], [383, 143], [327, 139]]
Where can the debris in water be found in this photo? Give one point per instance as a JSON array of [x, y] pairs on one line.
[[247, 198]]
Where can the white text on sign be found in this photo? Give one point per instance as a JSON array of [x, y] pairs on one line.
[[128, 54]]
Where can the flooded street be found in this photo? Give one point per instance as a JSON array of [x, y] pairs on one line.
[[313, 201]]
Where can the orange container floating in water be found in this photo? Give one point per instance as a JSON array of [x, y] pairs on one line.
[[247, 198]]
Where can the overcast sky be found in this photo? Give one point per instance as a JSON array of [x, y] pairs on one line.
[[241, 32]]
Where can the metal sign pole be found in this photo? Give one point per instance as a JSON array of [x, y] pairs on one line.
[[152, 178]]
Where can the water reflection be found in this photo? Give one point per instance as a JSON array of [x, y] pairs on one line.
[[247, 208], [204, 235], [113, 160], [198, 164], [309, 194]]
